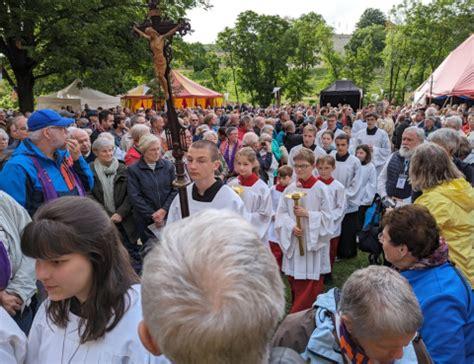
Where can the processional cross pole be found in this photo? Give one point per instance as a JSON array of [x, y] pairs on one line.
[[159, 33]]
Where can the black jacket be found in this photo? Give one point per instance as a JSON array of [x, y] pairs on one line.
[[149, 190], [121, 200]]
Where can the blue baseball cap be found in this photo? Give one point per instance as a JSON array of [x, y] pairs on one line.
[[43, 118]]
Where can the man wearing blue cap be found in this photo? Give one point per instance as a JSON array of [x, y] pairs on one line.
[[47, 164]]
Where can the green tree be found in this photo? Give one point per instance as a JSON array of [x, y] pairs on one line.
[[259, 47], [419, 38], [364, 54], [308, 37], [370, 17], [90, 39]]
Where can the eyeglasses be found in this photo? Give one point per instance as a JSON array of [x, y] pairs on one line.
[[302, 166]]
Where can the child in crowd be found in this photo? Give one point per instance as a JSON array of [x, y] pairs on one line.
[[309, 141], [256, 194], [347, 172], [368, 175], [285, 176], [326, 166], [304, 269], [327, 141]]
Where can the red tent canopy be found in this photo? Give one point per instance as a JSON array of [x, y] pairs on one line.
[[454, 76]]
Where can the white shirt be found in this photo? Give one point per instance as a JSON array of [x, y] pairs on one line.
[[226, 198], [316, 232], [368, 189], [12, 340], [380, 143], [48, 343], [348, 173], [258, 203]]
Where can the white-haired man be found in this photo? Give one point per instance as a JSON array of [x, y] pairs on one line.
[[82, 137], [212, 295], [393, 180], [373, 319]]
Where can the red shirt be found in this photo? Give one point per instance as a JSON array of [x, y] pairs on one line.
[[132, 156]]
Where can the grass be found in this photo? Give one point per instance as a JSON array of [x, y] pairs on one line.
[[342, 270]]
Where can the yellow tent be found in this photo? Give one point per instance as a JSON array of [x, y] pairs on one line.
[[186, 93]]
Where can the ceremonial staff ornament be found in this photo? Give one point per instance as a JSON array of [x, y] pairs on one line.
[[296, 197], [159, 33]]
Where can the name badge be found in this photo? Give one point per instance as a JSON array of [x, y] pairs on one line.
[[402, 180]]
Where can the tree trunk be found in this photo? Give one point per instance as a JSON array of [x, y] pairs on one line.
[[25, 82]]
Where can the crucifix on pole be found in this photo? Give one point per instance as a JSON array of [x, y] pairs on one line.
[[159, 33]]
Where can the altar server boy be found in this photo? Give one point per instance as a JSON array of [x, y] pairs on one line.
[[326, 166], [304, 271], [348, 173], [285, 177], [206, 192]]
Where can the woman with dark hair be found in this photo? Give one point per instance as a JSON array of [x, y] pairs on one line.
[[93, 304], [411, 242]]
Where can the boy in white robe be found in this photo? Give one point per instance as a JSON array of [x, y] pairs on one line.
[[347, 172], [304, 271], [377, 140], [206, 191], [326, 166], [285, 177], [254, 192], [309, 138]]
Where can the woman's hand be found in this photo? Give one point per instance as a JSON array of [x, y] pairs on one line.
[[300, 211], [159, 217], [11, 302], [116, 218]]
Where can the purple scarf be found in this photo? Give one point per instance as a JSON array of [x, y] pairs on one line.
[[439, 257], [5, 267], [230, 159]]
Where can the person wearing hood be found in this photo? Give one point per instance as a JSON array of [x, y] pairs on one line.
[[47, 164], [449, 198]]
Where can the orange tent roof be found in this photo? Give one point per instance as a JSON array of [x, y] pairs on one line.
[[182, 86]]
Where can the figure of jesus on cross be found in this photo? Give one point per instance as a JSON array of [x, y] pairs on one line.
[[157, 45]]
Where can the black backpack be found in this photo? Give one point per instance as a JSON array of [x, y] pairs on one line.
[[368, 237]]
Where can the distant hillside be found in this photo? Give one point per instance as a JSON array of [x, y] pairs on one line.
[[339, 41]]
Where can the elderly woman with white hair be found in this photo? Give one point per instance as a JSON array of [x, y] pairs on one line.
[[450, 139], [150, 187], [110, 190], [449, 198], [373, 319]]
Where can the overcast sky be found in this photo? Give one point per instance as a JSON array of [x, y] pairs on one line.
[[340, 14]]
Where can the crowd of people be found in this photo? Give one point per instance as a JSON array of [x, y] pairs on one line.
[[97, 264]]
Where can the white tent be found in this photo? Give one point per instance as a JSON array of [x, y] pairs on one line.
[[76, 96]]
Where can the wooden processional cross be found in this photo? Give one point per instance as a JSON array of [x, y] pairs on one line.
[[159, 34]]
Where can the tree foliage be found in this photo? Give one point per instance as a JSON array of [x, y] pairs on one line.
[[90, 39], [419, 37], [371, 17]]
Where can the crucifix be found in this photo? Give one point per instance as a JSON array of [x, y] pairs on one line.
[[160, 33]]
